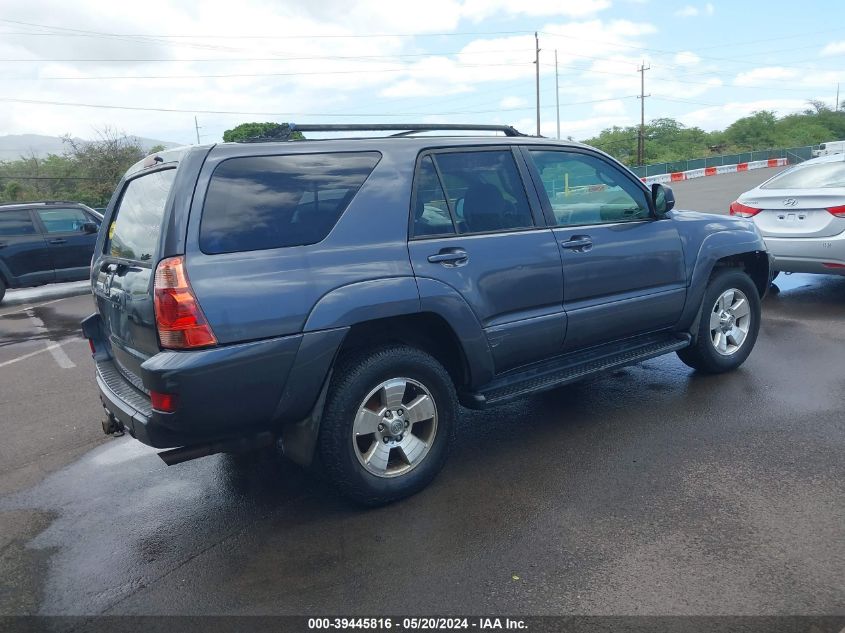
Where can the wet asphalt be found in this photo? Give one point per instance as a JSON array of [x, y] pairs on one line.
[[649, 490]]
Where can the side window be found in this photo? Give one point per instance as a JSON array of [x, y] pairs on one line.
[[16, 223], [431, 210], [260, 202], [584, 189], [63, 220], [485, 191], [135, 229]]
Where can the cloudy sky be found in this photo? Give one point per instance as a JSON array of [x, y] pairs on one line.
[[153, 66]]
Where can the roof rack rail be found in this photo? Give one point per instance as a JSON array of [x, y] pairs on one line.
[[403, 129]]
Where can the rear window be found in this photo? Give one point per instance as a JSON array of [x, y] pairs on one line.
[[16, 223], [134, 230], [822, 175], [261, 202]]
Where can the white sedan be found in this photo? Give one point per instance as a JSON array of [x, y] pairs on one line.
[[801, 214]]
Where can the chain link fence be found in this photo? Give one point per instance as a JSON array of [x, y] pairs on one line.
[[794, 154]]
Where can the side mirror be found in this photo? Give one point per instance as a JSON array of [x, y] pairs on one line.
[[90, 227], [662, 198]]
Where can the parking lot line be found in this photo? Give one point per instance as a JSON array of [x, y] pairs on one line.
[[50, 348], [34, 305], [62, 359]]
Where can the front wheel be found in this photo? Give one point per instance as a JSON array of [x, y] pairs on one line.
[[388, 423], [730, 321]]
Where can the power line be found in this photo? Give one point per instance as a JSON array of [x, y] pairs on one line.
[[232, 75], [277, 36], [285, 114]]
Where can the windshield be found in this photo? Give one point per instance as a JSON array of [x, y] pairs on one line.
[[821, 175]]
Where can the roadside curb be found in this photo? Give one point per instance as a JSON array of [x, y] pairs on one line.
[[701, 172], [49, 291]]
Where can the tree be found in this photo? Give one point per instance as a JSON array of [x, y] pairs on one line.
[[247, 131]]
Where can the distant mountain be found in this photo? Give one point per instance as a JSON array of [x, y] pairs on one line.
[[13, 146]]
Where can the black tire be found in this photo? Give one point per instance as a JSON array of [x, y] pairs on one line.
[[2, 289], [356, 376], [703, 355]]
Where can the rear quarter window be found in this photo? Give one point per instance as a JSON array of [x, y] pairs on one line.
[[134, 230], [16, 223], [262, 202]]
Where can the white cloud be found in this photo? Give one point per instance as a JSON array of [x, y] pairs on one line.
[[479, 9], [512, 102], [609, 107], [691, 11], [834, 48], [768, 73], [686, 58], [719, 117]]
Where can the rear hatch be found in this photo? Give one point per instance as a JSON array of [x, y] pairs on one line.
[[803, 215], [123, 271]]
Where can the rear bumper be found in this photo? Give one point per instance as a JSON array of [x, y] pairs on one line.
[[808, 255], [221, 392]]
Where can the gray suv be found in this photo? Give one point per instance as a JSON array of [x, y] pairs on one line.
[[340, 299]]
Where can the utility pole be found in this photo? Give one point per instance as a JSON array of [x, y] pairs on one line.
[[537, 75], [837, 98], [641, 135], [557, 98], [197, 127]]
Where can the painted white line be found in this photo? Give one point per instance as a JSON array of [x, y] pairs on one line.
[[62, 359], [49, 348], [58, 353], [34, 305]]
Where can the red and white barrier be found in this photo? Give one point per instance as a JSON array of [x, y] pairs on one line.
[[675, 176]]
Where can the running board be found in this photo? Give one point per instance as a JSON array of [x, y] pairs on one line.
[[562, 370]]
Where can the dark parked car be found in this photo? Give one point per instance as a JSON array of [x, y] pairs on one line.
[[339, 298], [43, 242]]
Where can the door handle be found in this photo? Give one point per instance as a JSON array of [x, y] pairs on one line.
[[579, 243], [447, 256], [58, 240]]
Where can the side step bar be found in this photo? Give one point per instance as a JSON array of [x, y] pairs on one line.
[[568, 368]]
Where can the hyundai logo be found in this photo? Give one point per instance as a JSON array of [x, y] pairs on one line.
[[790, 202]]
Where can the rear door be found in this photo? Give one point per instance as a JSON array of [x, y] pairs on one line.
[[475, 229], [123, 271], [623, 269], [69, 244], [24, 259]]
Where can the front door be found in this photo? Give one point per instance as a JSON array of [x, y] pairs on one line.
[[70, 246], [24, 259], [623, 268], [474, 229]]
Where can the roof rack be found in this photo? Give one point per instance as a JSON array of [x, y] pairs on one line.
[[403, 129]]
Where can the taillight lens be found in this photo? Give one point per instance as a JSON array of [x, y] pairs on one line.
[[743, 211], [180, 321], [839, 212]]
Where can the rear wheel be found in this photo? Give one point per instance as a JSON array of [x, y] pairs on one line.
[[388, 423], [2, 289], [730, 321]]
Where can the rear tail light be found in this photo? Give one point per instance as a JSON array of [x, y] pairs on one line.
[[743, 211], [180, 321], [839, 212], [163, 402]]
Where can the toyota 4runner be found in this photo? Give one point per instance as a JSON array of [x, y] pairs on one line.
[[339, 298]]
